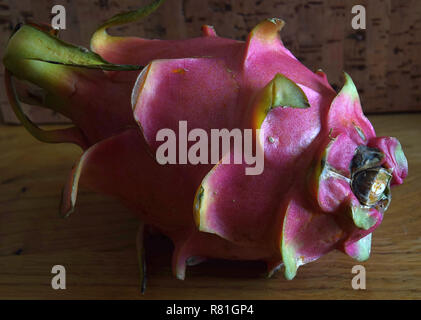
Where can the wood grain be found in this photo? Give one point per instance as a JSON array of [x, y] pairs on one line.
[[383, 60], [97, 243]]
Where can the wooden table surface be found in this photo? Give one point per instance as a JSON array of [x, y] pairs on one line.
[[97, 243]]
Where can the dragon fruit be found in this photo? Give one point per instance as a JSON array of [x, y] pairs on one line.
[[326, 179]]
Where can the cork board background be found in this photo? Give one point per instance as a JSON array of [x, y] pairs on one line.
[[384, 60]]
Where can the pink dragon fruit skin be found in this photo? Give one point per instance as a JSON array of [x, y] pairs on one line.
[[319, 148]]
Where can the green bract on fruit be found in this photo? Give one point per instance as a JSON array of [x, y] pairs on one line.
[[326, 179]]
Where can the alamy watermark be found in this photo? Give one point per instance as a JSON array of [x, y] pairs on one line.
[[359, 20], [59, 280], [358, 281], [59, 20], [198, 153]]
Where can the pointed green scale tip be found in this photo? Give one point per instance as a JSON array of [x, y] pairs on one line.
[[288, 251], [200, 207], [349, 88], [288, 93], [362, 218], [361, 249], [321, 73], [279, 92], [345, 106], [208, 31], [197, 205], [70, 189], [267, 30], [101, 36], [400, 156], [290, 261]]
